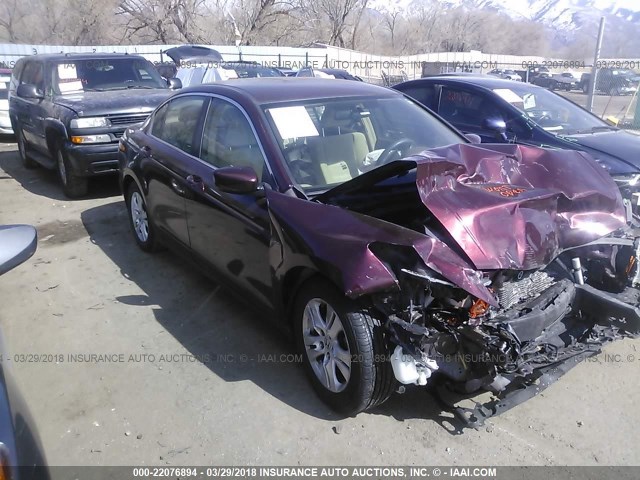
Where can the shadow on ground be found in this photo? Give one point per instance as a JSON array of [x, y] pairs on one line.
[[211, 323], [43, 182]]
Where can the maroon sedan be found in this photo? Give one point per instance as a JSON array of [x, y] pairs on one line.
[[395, 251]]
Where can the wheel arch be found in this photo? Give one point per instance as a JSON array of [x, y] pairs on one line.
[[55, 132], [292, 283]]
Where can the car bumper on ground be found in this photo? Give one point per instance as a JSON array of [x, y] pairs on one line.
[[91, 160]]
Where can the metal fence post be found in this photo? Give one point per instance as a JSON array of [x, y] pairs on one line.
[[594, 70], [636, 115]]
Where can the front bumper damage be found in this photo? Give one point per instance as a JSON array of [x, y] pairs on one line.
[[516, 353]]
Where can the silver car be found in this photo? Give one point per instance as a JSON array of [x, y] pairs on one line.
[[506, 74], [5, 123]]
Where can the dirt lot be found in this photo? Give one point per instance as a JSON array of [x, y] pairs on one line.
[[89, 290]]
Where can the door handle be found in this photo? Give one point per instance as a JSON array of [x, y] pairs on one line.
[[177, 188], [196, 182]]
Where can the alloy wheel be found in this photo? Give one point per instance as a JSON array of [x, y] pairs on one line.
[[139, 217], [326, 345]]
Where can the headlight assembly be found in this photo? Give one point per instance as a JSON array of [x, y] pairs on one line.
[[90, 122]]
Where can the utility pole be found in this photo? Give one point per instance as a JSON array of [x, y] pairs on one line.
[[594, 70]]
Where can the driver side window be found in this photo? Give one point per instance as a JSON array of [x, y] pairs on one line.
[[228, 139]]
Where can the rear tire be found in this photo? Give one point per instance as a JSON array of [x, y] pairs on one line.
[[72, 185], [343, 349], [27, 161], [139, 220]]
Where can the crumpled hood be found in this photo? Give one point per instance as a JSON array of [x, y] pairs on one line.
[[505, 206], [508, 206], [517, 207]]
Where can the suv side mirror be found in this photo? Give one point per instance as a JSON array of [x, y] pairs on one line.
[[174, 83], [236, 179], [27, 90], [17, 244], [497, 126]]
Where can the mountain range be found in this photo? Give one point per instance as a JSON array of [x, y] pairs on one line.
[[560, 14], [567, 20]]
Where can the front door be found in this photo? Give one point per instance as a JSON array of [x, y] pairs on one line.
[[231, 232]]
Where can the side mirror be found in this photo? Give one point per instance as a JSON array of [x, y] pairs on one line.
[[27, 90], [17, 244], [473, 138], [174, 83], [497, 126], [236, 179]]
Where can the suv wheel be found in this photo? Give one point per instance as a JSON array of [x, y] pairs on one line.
[[139, 220], [27, 161], [72, 185], [343, 351]]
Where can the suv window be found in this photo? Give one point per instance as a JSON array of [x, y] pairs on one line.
[[33, 74], [228, 139], [425, 94], [100, 74], [177, 122]]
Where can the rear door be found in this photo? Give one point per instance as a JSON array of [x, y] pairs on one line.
[[32, 111], [170, 153], [231, 232]]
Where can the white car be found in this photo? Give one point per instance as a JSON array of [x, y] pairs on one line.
[[5, 123], [506, 74]]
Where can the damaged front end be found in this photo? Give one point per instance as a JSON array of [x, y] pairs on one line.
[[492, 268], [546, 322]]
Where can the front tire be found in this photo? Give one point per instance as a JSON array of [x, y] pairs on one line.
[[27, 161], [72, 185], [343, 349], [139, 220]]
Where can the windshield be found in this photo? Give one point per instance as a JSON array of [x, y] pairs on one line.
[[104, 74], [550, 111], [328, 142], [253, 71]]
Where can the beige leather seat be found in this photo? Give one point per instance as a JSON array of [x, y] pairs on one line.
[[337, 158], [338, 119]]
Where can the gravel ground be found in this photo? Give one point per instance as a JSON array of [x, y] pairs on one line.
[[194, 377]]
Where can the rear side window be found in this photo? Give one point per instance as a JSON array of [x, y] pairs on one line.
[[177, 122], [425, 94], [15, 75], [462, 107], [33, 74]]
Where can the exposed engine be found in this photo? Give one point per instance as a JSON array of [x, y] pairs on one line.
[[544, 318]]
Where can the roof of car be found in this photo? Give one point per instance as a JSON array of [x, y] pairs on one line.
[[80, 56], [285, 89], [481, 81]]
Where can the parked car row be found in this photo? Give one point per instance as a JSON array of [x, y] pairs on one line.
[[371, 223]]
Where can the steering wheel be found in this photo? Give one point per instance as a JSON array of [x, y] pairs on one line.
[[539, 114], [387, 155]]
